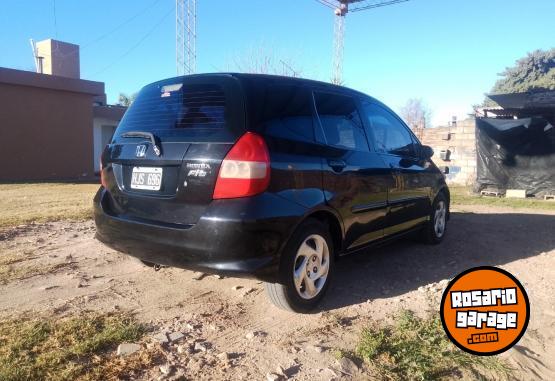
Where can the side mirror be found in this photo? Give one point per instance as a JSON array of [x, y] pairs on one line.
[[426, 152]]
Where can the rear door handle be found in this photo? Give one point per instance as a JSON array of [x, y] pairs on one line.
[[337, 165]]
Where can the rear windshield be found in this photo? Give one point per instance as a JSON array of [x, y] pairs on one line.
[[178, 109]]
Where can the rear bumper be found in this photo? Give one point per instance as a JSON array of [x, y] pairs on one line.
[[239, 237]]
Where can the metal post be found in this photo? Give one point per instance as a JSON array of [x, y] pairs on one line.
[[338, 43], [185, 36]]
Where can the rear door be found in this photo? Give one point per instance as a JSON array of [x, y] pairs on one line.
[[194, 122], [283, 113], [355, 179], [409, 196]]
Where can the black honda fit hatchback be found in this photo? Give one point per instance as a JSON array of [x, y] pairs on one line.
[[263, 176]]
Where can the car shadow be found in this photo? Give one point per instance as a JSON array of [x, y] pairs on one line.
[[405, 265]]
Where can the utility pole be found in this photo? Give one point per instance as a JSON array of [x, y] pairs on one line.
[[339, 42], [340, 9], [185, 36]]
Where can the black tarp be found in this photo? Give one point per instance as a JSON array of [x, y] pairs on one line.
[[516, 154]]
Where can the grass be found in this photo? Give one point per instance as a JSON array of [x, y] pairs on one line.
[[76, 348], [9, 273], [413, 348], [43, 202], [463, 196]]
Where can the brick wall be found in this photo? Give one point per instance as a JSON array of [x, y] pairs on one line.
[[460, 140]]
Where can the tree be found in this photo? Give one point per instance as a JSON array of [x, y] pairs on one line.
[[262, 60], [416, 113], [126, 99], [536, 71]]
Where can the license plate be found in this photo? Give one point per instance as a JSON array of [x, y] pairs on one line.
[[149, 178]]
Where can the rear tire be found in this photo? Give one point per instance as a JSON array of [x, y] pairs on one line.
[[306, 268], [435, 228]]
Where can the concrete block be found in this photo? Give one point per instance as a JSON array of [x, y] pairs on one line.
[[515, 193], [175, 336], [125, 349]]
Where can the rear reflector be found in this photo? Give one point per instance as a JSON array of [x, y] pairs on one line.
[[245, 171]]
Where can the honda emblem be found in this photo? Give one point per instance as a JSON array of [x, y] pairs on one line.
[[140, 151]]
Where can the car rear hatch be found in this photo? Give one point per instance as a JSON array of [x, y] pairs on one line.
[[164, 158]]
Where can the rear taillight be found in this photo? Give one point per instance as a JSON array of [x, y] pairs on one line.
[[102, 179], [245, 170]]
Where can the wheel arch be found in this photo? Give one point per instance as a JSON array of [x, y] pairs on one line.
[[444, 189], [335, 226]]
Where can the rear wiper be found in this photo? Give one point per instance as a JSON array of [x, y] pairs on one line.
[[148, 135]]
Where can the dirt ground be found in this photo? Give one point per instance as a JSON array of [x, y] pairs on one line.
[[233, 316]]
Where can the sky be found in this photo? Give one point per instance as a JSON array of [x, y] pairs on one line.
[[446, 52]]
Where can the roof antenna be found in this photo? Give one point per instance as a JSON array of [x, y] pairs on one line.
[[38, 60]]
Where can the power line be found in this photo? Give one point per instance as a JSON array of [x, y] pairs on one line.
[[377, 5], [327, 4], [139, 42], [112, 31], [107, 34]]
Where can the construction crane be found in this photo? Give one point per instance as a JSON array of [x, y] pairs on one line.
[[185, 36], [340, 9]]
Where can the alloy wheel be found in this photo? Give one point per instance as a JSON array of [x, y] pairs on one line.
[[439, 218], [311, 266]]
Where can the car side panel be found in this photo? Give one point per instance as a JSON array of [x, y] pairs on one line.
[[357, 191], [409, 198], [359, 194], [296, 171]]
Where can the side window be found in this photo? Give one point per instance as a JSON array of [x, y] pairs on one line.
[[284, 111], [341, 121], [390, 135]]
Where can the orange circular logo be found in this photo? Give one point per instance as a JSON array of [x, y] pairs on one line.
[[485, 310]]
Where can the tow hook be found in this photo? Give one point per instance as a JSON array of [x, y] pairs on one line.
[[157, 267]]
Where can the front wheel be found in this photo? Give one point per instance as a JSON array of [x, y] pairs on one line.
[[306, 269], [434, 230]]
